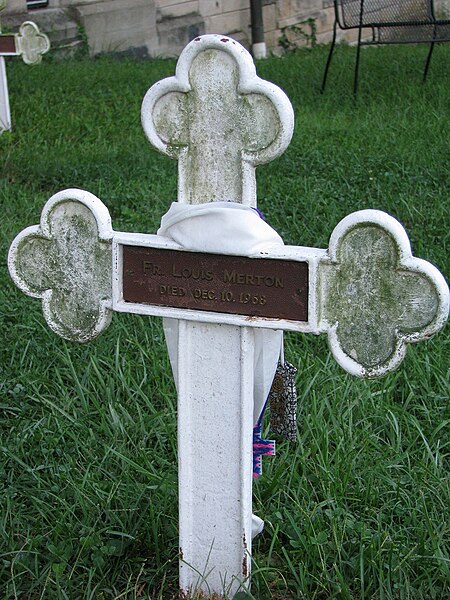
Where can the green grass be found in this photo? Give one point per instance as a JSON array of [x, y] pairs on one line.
[[358, 509]]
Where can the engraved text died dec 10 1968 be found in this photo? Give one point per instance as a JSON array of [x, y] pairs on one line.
[[257, 287]]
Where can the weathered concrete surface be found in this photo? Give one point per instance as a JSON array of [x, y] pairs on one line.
[[176, 31], [66, 261], [216, 90], [375, 297], [219, 120], [13, 6], [119, 25], [32, 44], [240, 122]]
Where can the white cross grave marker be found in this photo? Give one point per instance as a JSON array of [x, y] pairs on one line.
[[366, 292], [29, 43]]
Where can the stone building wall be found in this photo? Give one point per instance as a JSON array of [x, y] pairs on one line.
[[163, 27]]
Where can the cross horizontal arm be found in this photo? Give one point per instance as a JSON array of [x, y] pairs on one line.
[[367, 292], [29, 43]]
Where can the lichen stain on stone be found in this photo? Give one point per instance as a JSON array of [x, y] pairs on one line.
[[260, 122], [75, 265], [372, 298], [213, 106], [169, 117], [33, 253], [241, 123]]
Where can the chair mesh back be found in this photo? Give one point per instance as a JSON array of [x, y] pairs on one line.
[[414, 33], [379, 12]]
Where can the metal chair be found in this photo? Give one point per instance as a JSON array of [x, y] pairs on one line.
[[389, 22]]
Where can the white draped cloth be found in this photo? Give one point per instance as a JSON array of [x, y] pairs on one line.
[[226, 228]]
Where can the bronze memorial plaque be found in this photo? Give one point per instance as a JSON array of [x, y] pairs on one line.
[[257, 287], [7, 44]]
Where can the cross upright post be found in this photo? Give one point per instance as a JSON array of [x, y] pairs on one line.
[[219, 120], [5, 111], [224, 282]]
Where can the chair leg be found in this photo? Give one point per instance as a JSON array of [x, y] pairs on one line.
[[330, 55], [358, 54], [427, 64]]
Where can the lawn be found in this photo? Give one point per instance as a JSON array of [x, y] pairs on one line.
[[358, 508]]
